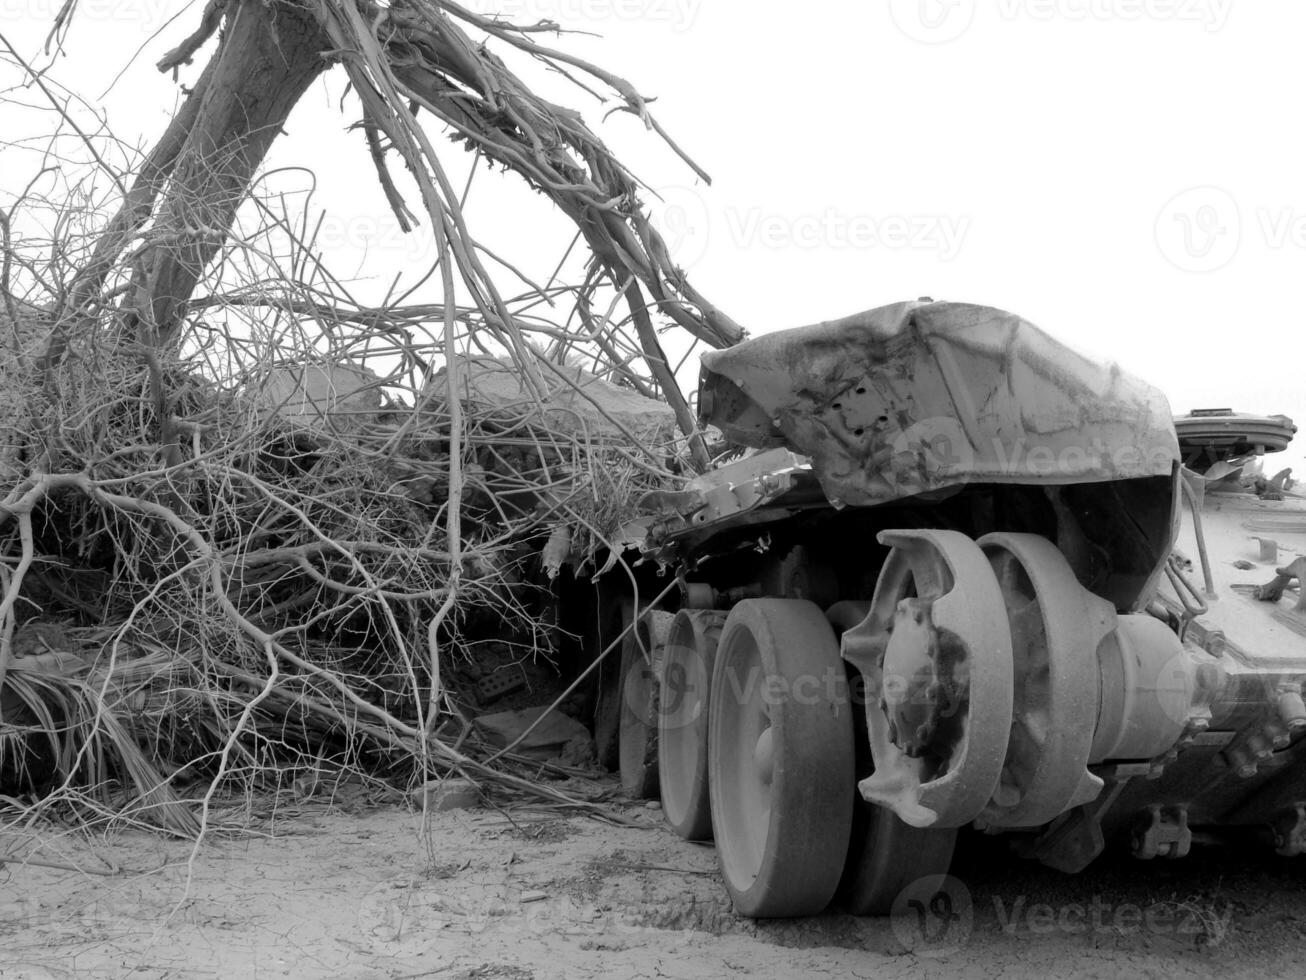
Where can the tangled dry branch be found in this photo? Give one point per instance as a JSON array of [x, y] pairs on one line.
[[248, 530]]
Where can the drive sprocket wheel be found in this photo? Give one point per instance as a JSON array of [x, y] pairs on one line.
[[885, 855], [935, 652]]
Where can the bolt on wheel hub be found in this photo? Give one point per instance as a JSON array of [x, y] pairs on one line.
[[911, 684]]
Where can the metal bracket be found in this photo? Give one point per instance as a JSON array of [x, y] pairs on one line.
[[1163, 832], [1273, 590], [1074, 839], [1290, 831]]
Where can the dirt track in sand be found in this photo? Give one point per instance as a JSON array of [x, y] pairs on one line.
[[355, 892]]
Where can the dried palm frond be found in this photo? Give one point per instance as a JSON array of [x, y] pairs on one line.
[[81, 721]]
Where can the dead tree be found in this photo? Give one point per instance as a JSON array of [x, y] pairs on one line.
[[240, 547]]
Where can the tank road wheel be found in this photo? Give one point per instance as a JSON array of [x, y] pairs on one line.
[[637, 751], [614, 612], [935, 653], [780, 758], [885, 855], [1056, 627], [682, 721]]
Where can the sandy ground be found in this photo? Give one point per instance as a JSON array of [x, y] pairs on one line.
[[357, 891]]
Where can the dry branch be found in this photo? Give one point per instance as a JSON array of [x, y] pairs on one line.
[[271, 522]]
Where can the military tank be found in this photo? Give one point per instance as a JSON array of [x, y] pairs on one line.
[[958, 575]]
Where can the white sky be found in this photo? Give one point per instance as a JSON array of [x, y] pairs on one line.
[[1127, 174]]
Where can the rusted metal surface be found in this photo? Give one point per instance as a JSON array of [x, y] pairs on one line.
[[923, 396]]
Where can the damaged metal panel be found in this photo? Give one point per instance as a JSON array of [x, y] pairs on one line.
[[577, 401], [923, 396]]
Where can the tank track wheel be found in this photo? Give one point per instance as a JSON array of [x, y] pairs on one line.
[[885, 855], [935, 653], [780, 758], [1056, 628], [637, 736], [682, 721], [614, 613]]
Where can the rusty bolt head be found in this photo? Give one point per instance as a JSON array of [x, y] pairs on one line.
[[1260, 746]]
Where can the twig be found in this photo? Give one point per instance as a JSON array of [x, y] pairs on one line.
[[17, 860], [209, 21]]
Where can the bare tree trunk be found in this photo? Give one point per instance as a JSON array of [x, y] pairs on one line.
[[268, 55]]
